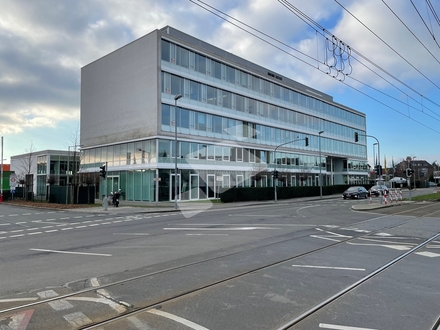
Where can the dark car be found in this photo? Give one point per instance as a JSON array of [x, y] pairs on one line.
[[378, 190], [355, 192]]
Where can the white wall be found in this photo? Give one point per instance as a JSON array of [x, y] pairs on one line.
[[120, 94]]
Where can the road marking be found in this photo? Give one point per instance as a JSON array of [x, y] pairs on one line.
[[428, 254], [328, 267], [215, 229], [17, 231], [132, 234], [207, 234], [20, 223], [17, 235], [47, 294], [177, 319], [77, 319], [120, 307], [51, 231], [60, 305], [340, 327], [69, 252], [17, 299], [35, 233], [394, 247]]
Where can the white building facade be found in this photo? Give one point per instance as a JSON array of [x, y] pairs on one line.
[[232, 116]]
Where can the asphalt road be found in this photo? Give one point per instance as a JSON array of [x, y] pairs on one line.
[[254, 267]]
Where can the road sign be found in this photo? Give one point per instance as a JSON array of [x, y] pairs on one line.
[[12, 181]]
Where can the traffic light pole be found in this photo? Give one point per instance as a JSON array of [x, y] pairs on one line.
[[275, 178]]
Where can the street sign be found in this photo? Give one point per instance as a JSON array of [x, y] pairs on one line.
[[12, 181], [12, 191]]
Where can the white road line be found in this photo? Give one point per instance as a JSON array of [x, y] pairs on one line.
[[35, 233], [177, 319], [81, 227], [17, 231], [132, 234], [219, 229], [17, 235], [47, 294], [33, 229], [69, 228], [207, 234], [13, 215], [66, 218], [94, 224], [51, 231], [17, 299], [340, 327], [69, 252], [328, 267], [20, 223]]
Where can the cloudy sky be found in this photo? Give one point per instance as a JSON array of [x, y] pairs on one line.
[[379, 57]]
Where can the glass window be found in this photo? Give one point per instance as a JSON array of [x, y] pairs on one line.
[[252, 106], [195, 91], [201, 63], [176, 85], [182, 57], [165, 50], [243, 79], [164, 148], [184, 118], [226, 153], [211, 95], [194, 150], [184, 149], [218, 153], [227, 99], [210, 152], [216, 69], [201, 121], [239, 154], [217, 124], [239, 103], [256, 83], [202, 151], [166, 115], [230, 74]]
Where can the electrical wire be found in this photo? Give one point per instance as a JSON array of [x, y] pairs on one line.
[[396, 52], [424, 22], [411, 31], [212, 9]]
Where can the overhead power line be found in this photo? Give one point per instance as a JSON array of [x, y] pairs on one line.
[[244, 27]]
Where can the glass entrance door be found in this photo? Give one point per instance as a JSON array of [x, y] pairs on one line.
[[194, 192], [211, 185]]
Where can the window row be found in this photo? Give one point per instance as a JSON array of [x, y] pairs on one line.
[[172, 84], [202, 124], [193, 150], [183, 57]]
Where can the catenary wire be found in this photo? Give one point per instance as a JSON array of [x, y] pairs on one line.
[[421, 17], [411, 31], [279, 48]]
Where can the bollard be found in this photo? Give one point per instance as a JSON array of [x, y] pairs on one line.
[[385, 197]]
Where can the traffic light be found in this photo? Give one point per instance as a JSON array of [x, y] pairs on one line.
[[378, 170], [275, 174], [356, 137], [409, 172], [102, 171], [307, 141]]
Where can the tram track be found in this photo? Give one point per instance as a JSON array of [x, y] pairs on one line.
[[231, 278]]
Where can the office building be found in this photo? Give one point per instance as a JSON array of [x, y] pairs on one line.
[[230, 118]]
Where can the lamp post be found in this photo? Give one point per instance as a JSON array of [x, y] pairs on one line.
[[320, 173], [175, 150], [275, 164]]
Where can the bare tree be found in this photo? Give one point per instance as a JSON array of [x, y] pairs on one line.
[[258, 171], [27, 165], [74, 161], [89, 179]]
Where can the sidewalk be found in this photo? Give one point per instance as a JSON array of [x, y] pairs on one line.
[[127, 207]]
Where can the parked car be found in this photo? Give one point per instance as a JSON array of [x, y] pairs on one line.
[[355, 192], [432, 184], [378, 190]]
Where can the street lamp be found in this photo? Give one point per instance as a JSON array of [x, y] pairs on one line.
[[275, 164], [175, 150], [320, 175]]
